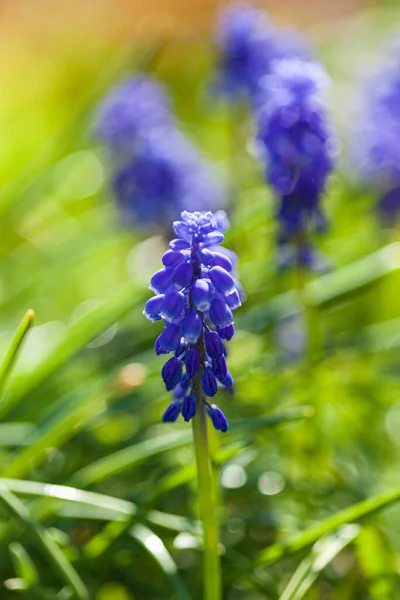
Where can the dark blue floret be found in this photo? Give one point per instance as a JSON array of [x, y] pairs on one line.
[[188, 407], [192, 362], [173, 411], [197, 295], [209, 383], [219, 368], [172, 372], [214, 345], [218, 418]]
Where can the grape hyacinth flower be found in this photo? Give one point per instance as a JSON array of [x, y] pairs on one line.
[[195, 295], [156, 171], [164, 176], [247, 44], [130, 111], [297, 146], [376, 135]]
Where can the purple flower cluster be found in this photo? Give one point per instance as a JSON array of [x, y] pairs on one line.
[[157, 172], [297, 145], [376, 136], [130, 111], [196, 293], [247, 45]]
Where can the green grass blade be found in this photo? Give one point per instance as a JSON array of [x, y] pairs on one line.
[[155, 546], [324, 551], [23, 565], [12, 353], [70, 415], [129, 457], [354, 513], [327, 290], [120, 508], [65, 570], [16, 434], [80, 334]]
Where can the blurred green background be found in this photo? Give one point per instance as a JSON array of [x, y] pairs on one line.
[[83, 406]]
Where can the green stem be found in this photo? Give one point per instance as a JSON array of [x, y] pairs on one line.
[[12, 353], [207, 502], [312, 318]]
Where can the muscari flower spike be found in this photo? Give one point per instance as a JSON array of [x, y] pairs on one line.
[[156, 171], [247, 44], [164, 176], [376, 134], [130, 110], [297, 145], [196, 292]]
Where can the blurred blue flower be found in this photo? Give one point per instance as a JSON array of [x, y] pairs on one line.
[[193, 291], [296, 143], [248, 44], [376, 135], [130, 111], [164, 176], [156, 171]]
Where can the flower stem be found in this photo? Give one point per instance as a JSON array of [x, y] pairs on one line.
[[207, 502]]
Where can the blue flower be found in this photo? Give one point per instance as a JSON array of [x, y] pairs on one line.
[[194, 290], [130, 110], [248, 44], [156, 171], [376, 134], [297, 146], [164, 176]]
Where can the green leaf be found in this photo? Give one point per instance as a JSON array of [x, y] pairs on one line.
[[23, 565], [12, 353], [44, 541], [80, 334], [69, 415], [354, 513], [129, 457], [154, 545], [324, 551]]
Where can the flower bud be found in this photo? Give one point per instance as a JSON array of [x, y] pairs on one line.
[[214, 345], [192, 363], [172, 413], [188, 407], [218, 418], [208, 382], [172, 372], [219, 368]]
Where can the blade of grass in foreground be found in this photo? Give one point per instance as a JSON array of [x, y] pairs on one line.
[[128, 457], [16, 509], [14, 348], [354, 513], [80, 334], [324, 551], [120, 508], [154, 545]]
